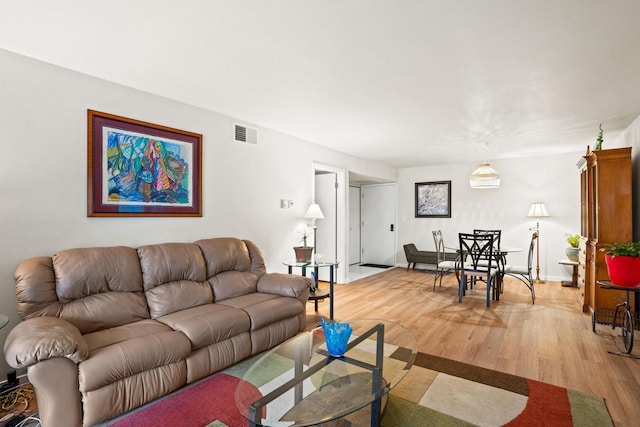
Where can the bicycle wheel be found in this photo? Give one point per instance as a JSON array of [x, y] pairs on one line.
[[627, 331]]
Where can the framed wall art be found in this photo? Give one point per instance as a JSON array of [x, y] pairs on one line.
[[433, 199], [141, 169]]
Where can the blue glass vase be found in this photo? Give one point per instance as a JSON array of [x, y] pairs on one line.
[[337, 337]]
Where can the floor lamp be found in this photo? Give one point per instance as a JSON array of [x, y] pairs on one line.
[[314, 212], [538, 210]]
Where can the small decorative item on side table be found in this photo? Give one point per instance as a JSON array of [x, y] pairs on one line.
[[304, 252], [337, 337], [316, 292]]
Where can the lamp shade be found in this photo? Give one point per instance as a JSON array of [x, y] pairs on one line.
[[538, 210], [314, 212], [485, 177]]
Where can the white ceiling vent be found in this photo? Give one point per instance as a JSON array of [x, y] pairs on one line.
[[246, 134]]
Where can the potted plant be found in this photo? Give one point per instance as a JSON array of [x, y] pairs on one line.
[[623, 263], [304, 252], [599, 139], [572, 251]]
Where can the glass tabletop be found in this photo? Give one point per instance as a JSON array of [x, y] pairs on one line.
[[503, 249], [311, 263], [299, 384]]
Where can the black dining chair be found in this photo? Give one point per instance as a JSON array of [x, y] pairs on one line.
[[444, 261], [523, 273], [499, 259], [477, 265], [497, 235]]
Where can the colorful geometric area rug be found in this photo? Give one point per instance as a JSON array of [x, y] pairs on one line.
[[435, 392]]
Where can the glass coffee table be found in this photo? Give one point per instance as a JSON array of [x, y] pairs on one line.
[[299, 384]]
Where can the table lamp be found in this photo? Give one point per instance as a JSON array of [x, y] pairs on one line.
[[313, 213]]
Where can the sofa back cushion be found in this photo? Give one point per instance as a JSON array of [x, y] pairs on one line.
[[99, 288], [174, 277], [108, 280], [233, 266]]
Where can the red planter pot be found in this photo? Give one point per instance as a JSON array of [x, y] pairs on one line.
[[623, 270]]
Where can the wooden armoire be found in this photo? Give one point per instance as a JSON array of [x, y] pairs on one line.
[[606, 217]]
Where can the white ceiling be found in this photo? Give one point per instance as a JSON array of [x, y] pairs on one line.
[[402, 82]]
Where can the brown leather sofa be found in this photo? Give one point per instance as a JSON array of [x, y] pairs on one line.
[[108, 329]]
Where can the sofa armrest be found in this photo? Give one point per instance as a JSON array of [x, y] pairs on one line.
[[287, 285], [42, 338]]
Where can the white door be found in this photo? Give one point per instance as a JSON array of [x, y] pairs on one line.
[[378, 211], [354, 225]]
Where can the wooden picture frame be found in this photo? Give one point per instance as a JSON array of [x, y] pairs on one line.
[[433, 199], [140, 169]]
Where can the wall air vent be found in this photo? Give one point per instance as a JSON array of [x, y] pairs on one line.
[[245, 134]]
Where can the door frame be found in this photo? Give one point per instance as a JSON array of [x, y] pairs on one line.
[[356, 225], [342, 239]]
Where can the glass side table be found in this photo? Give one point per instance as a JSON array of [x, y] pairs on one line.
[[317, 293]]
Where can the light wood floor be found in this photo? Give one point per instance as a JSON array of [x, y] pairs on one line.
[[551, 341]]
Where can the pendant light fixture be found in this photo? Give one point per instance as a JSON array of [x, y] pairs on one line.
[[485, 177]]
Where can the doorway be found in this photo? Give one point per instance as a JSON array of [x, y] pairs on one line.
[[378, 216], [334, 236]]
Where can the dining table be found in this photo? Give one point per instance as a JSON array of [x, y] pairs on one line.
[[504, 250]]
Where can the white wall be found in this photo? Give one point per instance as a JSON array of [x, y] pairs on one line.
[[554, 180], [630, 137], [43, 152]]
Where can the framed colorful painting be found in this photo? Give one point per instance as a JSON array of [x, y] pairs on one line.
[[433, 199], [136, 168]]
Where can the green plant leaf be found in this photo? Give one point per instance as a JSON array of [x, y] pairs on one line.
[[631, 249], [573, 240]]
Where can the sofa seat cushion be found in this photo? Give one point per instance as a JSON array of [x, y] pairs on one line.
[[125, 358], [265, 309], [208, 324]]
